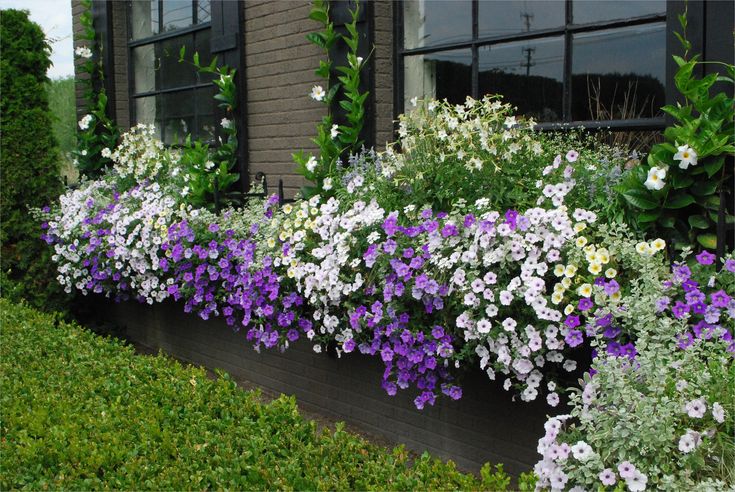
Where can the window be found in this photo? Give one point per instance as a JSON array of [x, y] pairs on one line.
[[556, 60], [169, 94]]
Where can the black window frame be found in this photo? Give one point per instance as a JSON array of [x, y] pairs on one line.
[[567, 32], [155, 39]]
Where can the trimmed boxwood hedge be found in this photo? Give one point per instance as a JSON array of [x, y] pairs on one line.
[[80, 411]]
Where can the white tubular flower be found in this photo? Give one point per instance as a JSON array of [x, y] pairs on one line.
[[311, 164], [334, 131], [227, 124], [655, 179], [83, 52], [686, 156], [85, 122], [317, 93]]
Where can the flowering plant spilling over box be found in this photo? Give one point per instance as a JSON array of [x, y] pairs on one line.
[[523, 292]]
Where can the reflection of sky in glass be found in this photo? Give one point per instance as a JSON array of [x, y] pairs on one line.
[[637, 49], [496, 18], [547, 58], [431, 22], [584, 11]]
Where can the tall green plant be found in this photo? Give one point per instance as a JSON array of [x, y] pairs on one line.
[[209, 170], [97, 131], [29, 172], [334, 140], [677, 194]]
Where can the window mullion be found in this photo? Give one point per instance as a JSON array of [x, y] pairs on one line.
[[475, 56], [567, 81]]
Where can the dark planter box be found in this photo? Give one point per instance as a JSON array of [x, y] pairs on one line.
[[485, 425]]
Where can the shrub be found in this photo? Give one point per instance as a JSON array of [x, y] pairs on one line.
[[30, 162], [83, 412]]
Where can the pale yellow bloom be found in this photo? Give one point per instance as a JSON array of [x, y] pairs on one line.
[[559, 270], [585, 290], [616, 296], [611, 273], [579, 227], [643, 248], [570, 271], [287, 209], [566, 282], [595, 268], [581, 241], [658, 244], [272, 242], [557, 297], [569, 309], [559, 287]]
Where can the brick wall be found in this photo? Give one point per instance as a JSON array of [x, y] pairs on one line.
[[76, 12], [279, 68], [485, 425], [120, 63], [383, 63]]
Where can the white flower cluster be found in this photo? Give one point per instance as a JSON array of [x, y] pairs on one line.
[[141, 156]]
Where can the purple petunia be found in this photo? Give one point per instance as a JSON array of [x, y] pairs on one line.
[[705, 258]]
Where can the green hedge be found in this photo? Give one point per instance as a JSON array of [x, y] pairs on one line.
[[29, 173], [84, 412]]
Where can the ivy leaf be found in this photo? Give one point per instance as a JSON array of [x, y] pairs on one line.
[[640, 199], [699, 222], [680, 200], [709, 241]]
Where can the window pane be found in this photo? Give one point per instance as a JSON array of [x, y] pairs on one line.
[[620, 73], [144, 68], [528, 74], [205, 113], [497, 18], [446, 74], [171, 73], [177, 14], [584, 11], [147, 110], [178, 115], [202, 46], [143, 19], [432, 22], [204, 11]]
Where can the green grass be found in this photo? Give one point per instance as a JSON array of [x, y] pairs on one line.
[[84, 412]]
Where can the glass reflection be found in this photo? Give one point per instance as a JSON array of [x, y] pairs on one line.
[[432, 22], [529, 75], [442, 75], [584, 11], [177, 14], [628, 81], [498, 18]]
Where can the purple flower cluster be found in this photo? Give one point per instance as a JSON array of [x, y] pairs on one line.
[[218, 275], [705, 306]]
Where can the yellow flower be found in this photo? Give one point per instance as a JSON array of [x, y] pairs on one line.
[[559, 288], [594, 268], [287, 208], [570, 271], [611, 273], [566, 282], [314, 211], [658, 244], [590, 249], [585, 290], [581, 241], [559, 270], [283, 235], [579, 227], [291, 272], [294, 263], [557, 297], [272, 242], [616, 296], [601, 257], [301, 214], [569, 309]]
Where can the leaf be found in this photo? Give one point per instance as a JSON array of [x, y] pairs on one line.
[[712, 166], [317, 38], [319, 15], [182, 53], [640, 199], [645, 217], [667, 222], [699, 222], [679, 200], [703, 188], [681, 181], [709, 241]]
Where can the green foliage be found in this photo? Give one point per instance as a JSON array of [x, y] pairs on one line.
[[685, 207], [62, 103], [29, 174], [97, 131], [84, 412], [334, 141], [210, 169]]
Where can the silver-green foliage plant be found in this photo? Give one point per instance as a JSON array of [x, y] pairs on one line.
[[334, 140], [664, 419]]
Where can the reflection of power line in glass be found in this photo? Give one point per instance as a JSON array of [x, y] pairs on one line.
[[528, 52]]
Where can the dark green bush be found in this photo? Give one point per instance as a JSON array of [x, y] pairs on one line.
[[84, 412], [29, 172]]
